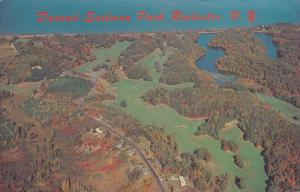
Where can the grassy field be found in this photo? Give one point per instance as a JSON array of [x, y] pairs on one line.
[[254, 169], [183, 128], [76, 87], [102, 54], [284, 108], [22, 88]]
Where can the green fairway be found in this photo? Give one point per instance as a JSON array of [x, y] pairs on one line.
[[253, 172], [131, 91], [183, 128], [76, 87], [286, 109], [102, 54]]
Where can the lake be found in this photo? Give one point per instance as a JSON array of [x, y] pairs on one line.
[[270, 46], [209, 60], [20, 16]]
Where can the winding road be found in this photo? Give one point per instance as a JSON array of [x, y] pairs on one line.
[[103, 124], [134, 145]]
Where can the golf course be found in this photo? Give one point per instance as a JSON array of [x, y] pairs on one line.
[[184, 128]]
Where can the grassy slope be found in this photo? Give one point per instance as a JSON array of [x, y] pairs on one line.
[[74, 86], [183, 128], [22, 88], [254, 161], [284, 108], [113, 53]]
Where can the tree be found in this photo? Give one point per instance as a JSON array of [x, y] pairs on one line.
[[147, 77], [123, 103], [97, 68], [238, 161], [158, 67], [240, 182], [135, 174], [202, 153]]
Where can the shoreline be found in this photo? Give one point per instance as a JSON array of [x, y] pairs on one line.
[[199, 31]]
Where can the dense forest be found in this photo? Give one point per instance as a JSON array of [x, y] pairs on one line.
[[32, 64], [135, 52], [180, 67], [37, 145], [187, 164], [261, 126], [165, 149], [246, 56], [34, 152]]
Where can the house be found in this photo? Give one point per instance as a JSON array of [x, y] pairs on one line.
[[182, 181], [37, 67], [145, 170], [120, 144], [130, 152], [172, 178], [99, 131]]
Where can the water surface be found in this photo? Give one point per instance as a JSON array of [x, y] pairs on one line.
[[270, 46], [209, 61], [19, 16]]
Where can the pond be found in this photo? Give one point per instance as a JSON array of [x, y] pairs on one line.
[[209, 60], [270, 46]]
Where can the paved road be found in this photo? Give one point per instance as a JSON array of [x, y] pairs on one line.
[[138, 150], [80, 101]]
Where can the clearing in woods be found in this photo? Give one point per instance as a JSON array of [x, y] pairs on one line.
[[286, 109], [102, 55]]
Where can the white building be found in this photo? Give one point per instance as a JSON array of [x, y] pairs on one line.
[[182, 181]]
